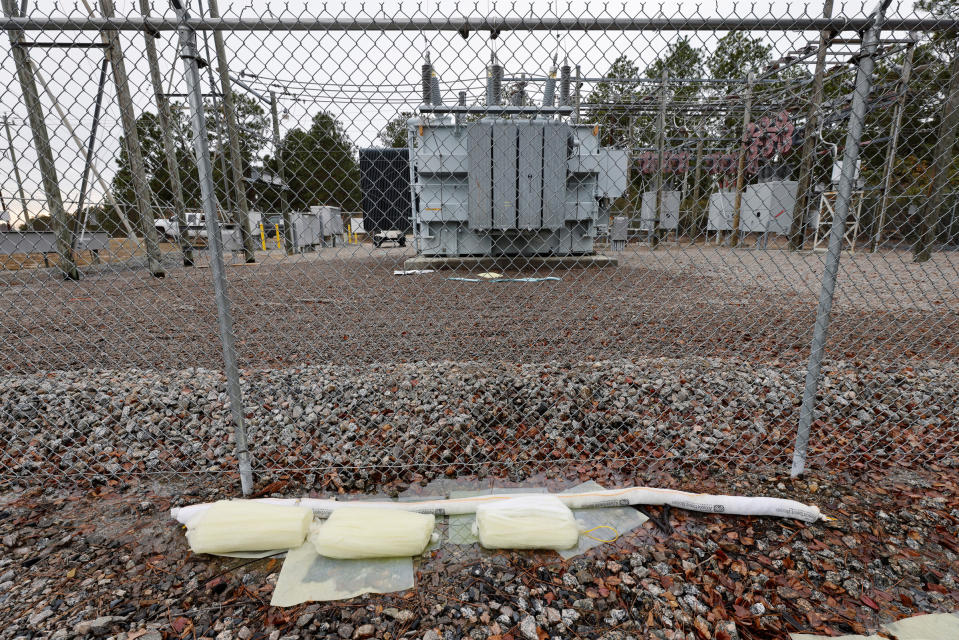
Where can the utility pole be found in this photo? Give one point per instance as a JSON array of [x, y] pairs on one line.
[[797, 229], [941, 166], [169, 145], [141, 188], [284, 203], [661, 159], [241, 215], [741, 163], [41, 139], [16, 171], [893, 143]]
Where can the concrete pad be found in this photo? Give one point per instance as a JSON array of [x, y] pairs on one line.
[[509, 262], [934, 626]]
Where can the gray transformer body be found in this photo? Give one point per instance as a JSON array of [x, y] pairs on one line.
[[510, 186]]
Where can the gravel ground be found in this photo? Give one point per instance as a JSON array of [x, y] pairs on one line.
[[344, 306], [113, 564], [364, 427]]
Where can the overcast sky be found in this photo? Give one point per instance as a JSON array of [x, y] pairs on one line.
[[363, 79]]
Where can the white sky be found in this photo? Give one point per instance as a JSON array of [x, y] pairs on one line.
[[364, 79]]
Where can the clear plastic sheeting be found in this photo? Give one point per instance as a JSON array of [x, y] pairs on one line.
[[230, 526], [307, 576], [373, 533], [528, 522], [620, 519]]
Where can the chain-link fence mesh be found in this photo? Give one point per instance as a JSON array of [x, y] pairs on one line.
[[475, 241]]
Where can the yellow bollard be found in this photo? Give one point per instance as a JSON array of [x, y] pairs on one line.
[[279, 244], [262, 237]]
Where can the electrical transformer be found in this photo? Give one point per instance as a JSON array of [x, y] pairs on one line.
[[515, 180]]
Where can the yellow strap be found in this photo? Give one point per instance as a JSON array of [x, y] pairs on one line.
[[603, 526]]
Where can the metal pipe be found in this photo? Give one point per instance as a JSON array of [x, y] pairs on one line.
[[857, 118], [460, 24], [504, 110], [189, 55]]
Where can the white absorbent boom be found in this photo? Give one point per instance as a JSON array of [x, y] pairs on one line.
[[731, 505]]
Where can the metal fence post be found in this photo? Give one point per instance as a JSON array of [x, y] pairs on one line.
[[190, 56], [857, 118]]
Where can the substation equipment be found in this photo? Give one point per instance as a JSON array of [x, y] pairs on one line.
[[509, 179]]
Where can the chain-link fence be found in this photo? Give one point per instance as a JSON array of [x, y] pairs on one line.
[[353, 250]]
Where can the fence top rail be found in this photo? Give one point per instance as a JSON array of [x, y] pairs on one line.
[[465, 24]]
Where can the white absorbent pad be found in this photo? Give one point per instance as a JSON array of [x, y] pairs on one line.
[[355, 533], [244, 525], [530, 522]]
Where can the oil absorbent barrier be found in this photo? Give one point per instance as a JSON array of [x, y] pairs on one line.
[[248, 525], [732, 505], [531, 522], [356, 533]]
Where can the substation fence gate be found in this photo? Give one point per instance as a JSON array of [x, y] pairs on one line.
[[355, 250]]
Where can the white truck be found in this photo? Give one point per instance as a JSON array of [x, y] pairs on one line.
[[169, 228]]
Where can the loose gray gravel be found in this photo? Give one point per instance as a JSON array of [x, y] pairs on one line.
[[364, 427]]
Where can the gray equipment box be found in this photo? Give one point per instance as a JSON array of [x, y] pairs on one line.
[[619, 233], [768, 207], [510, 186], [721, 206], [670, 208]]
